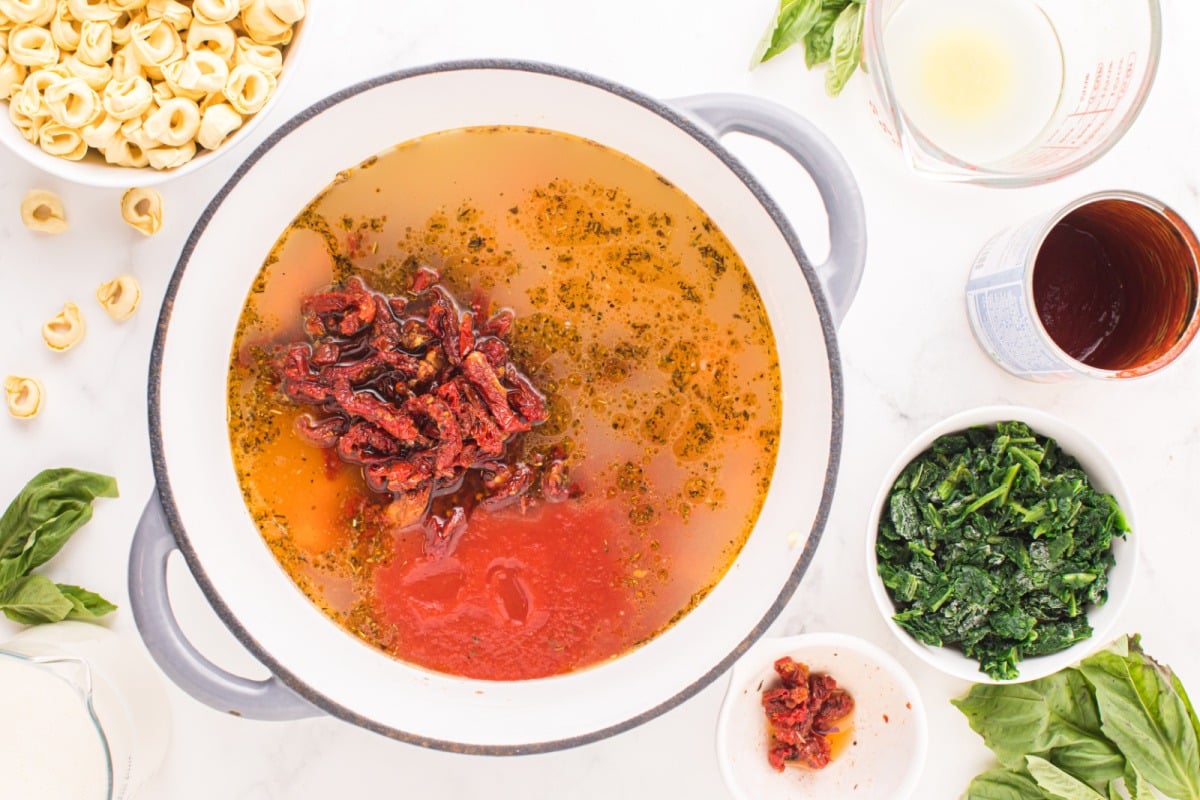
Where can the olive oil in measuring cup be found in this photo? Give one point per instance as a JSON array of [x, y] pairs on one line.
[[979, 79]]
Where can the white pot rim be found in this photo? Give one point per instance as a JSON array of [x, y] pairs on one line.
[[282, 670]]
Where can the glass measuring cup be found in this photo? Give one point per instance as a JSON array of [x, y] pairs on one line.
[[1008, 92], [92, 711]]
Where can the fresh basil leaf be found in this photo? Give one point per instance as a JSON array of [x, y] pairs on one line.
[[1177, 685], [1136, 785], [818, 42], [1055, 717], [796, 18], [1059, 783], [1003, 784], [847, 48], [85, 604], [42, 517], [33, 600], [1143, 714]]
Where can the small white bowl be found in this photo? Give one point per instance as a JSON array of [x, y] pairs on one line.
[[93, 170], [886, 755], [1104, 477]]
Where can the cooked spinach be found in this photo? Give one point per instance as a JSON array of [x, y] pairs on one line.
[[1109, 727], [995, 542], [34, 527]]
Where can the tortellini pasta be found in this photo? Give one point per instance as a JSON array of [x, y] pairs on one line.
[[216, 11], [142, 209], [28, 12], [95, 43], [140, 82], [42, 210], [120, 297], [65, 329], [72, 103], [12, 75], [248, 89], [127, 99], [32, 46], [23, 396]]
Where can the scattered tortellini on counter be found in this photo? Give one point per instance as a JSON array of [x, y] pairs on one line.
[[42, 211], [65, 329], [141, 82], [23, 395], [120, 297], [143, 210]]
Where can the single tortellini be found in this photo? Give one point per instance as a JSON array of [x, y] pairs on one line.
[[134, 131], [143, 210], [155, 44], [96, 77], [98, 10], [215, 12], [122, 28], [171, 157], [120, 297], [175, 123], [65, 29], [99, 133], [23, 396], [263, 26], [260, 56], [28, 12], [174, 13], [32, 46], [30, 127], [12, 75], [217, 122], [125, 64], [128, 99], [65, 329], [72, 103], [95, 43], [42, 211], [216, 38], [120, 152], [62, 141], [200, 74], [248, 89]]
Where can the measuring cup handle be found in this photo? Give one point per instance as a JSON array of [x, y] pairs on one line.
[[842, 272], [268, 699]]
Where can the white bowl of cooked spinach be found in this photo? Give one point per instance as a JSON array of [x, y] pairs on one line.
[[999, 547]]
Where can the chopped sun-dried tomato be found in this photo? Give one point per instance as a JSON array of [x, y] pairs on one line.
[[801, 712], [417, 394]]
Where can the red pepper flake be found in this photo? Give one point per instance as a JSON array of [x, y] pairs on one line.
[[802, 713], [416, 394]]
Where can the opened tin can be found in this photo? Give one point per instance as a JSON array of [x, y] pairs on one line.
[[1105, 288]]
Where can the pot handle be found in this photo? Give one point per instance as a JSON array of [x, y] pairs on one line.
[[842, 272], [268, 699]]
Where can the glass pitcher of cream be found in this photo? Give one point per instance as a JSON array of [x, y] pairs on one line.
[[85, 714]]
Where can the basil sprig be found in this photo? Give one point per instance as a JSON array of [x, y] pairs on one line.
[[36, 525], [1106, 729], [831, 31]]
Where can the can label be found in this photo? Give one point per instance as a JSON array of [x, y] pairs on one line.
[[999, 309]]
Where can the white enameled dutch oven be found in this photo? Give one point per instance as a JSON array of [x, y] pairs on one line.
[[198, 509]]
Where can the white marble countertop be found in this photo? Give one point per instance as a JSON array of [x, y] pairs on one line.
[[908, 355]]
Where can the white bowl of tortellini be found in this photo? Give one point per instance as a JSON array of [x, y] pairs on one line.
[[125, 92]]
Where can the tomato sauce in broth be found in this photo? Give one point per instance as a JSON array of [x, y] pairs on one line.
[[637, 321]]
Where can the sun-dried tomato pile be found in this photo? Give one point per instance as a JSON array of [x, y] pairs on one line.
[[801, 713], [421, 394]]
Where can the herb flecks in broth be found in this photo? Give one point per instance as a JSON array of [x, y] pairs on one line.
[[632, 315]]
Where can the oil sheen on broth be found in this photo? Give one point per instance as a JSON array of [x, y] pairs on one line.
[[636, 319]]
